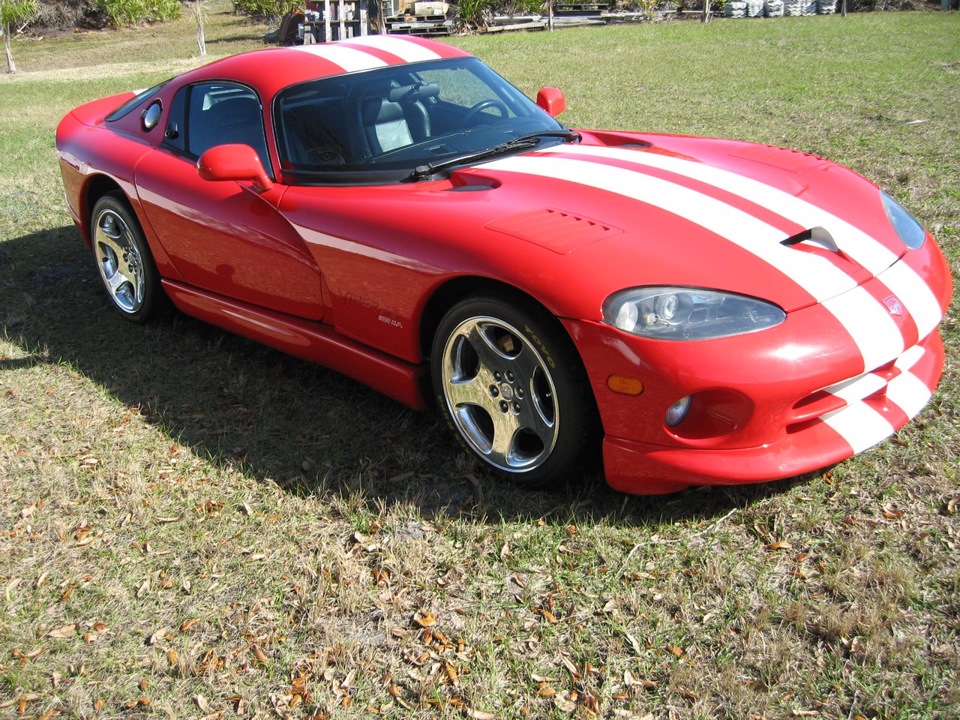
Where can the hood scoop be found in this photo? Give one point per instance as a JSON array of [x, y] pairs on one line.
[[556, 230], [819, 241], [817, 237]]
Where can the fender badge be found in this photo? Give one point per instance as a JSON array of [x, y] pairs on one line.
[[893, 305]]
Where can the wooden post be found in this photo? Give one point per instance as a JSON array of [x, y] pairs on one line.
[[342, 17], [550, 15], [326, 21], [363, 17]]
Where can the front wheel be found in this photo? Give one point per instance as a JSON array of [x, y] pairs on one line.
[[123, 259], [511, 385]]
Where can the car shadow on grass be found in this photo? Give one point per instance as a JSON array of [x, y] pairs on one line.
[[278, 419]]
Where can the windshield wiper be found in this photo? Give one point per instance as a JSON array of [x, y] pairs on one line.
[[522, 142]]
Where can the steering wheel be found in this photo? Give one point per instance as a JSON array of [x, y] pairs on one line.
[[483, 105]]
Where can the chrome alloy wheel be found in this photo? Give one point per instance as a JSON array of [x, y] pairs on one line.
[[500, 394], [121, 265]]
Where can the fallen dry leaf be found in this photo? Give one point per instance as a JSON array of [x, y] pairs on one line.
[[480, 714], [451, 673], [634, 643], [542, 678], [424, 618], [64, 631], [564, 703]]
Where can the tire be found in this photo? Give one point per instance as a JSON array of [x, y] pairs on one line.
[[123, 260], [513, 389]]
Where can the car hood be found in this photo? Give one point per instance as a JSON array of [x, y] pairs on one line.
[[653, 209]]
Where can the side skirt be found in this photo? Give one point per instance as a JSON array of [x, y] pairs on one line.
[[307, 340]]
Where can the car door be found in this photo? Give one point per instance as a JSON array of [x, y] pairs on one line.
[[225, 237]]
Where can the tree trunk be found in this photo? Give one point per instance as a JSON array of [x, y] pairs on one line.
[[11, 65], [201, 38]]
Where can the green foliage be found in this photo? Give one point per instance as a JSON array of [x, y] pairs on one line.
[[263, 9], [123, 13], [16, 11], [473, 13]]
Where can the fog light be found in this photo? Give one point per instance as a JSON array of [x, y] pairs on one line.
[[678, 411]]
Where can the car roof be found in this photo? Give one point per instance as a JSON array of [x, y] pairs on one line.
[[273, 69]]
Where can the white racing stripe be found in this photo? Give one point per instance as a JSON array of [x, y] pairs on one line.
[[909, 393], [867, 321], [902, 280], [350, 59], [910, 358], [869, 324], [860, 425], [911, 290], [857, 388], [404, 49]]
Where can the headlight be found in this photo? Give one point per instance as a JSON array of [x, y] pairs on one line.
[[677, 313], [907, 227]]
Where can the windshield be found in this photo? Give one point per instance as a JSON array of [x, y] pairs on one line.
[[383, 124]]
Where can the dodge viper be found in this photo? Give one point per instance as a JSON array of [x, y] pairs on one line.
[[686, 310]]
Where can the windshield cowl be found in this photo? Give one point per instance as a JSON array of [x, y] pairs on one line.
[[519, 144]]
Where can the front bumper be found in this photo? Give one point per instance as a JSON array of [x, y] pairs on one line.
[[640, 467], [764, 406]]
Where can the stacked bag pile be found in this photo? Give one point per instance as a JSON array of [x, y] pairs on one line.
[[796, 8], [773, 8], [735, 9]]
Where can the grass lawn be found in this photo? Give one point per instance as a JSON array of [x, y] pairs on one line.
[[196, 526]]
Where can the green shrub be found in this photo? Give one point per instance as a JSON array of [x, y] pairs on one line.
[[263, 9], [122, 13]]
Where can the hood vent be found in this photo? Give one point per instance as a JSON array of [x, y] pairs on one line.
[[557, 230]]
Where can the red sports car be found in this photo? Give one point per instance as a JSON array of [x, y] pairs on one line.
[[699, 311]]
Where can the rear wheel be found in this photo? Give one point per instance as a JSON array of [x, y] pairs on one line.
[[123, 259], [512, 387]]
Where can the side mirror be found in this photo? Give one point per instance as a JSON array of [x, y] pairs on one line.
[[234, 162], [552, 101]]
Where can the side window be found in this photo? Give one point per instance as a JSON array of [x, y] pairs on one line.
[[221, 113]]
